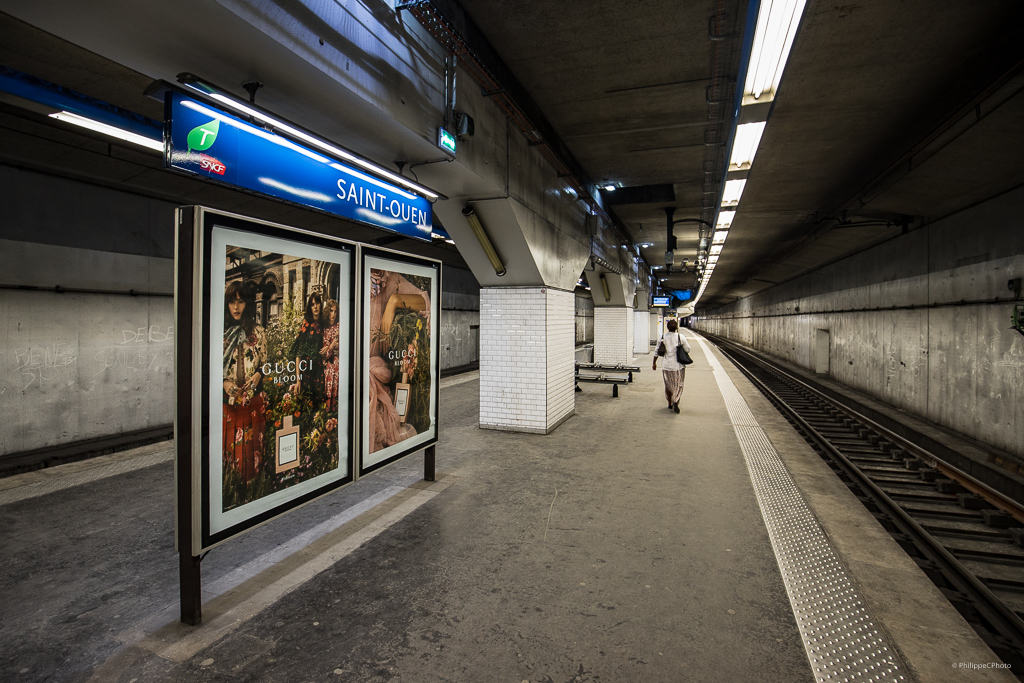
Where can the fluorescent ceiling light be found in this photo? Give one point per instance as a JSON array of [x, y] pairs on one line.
[[106, 129], [724, 220], [720, 236], [777, 21], [744, 145], [733, 191], [279, 125], [608, 188], [716, 249], [712, 260]]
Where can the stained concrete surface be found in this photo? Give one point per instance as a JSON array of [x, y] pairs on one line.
[[625, 546], [650, 563]]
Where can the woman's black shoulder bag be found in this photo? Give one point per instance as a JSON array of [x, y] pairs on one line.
[[681, 355]]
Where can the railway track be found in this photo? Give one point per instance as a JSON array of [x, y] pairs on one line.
[[966, 536]]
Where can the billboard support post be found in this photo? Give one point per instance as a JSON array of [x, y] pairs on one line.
[[188, 564], [428, 463]]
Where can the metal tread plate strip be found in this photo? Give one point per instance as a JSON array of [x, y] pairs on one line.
[[840, 637]]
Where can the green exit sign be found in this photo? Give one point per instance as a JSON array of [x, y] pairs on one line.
[[446, 141]]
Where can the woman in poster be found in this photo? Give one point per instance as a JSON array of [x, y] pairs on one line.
[[389, 291], [306, 352], [245, 351], [329, 353]]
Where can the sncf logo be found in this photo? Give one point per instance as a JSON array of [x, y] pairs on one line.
[[208, 163]]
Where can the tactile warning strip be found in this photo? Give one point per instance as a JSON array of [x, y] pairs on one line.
[[842, 641]]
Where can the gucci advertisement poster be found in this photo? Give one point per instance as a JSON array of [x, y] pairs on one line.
[[279, 372], [400, 359]]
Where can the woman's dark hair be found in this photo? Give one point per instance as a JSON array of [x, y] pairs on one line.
[[672, 325], [240, 289], [314, 297]]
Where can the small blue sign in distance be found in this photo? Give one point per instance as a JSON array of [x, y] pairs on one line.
[[210, 143]]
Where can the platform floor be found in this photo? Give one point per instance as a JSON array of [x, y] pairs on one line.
[[628, 545]]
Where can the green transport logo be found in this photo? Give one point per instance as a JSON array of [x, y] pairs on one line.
[[201, 138]]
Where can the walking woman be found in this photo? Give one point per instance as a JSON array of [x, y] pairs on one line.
[[672, 371]]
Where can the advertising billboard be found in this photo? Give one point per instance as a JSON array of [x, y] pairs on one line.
[[401, 306], [275, 328]]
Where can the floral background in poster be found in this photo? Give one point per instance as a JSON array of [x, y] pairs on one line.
[[280, 361]]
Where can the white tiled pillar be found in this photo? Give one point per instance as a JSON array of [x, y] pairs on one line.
[[641, 330], [527, 356], [613, 335]]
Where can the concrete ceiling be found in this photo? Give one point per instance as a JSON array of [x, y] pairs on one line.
[[623, 84], [890, 115]]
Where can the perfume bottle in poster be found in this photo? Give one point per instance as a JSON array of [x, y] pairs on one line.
[[399, 358], [280, 373]]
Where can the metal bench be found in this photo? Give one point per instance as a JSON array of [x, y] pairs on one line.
[[604, 378], [628, 369]]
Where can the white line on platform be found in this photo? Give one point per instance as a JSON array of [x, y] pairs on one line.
[[840, 637]]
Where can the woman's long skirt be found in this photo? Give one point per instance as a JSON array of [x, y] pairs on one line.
[[674, 384]]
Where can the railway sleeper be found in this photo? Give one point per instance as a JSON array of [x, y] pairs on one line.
[[1000, 520], [949, 486], [977, 535], [987, 557], [972, 501]]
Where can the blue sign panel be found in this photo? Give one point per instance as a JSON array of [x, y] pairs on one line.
[[660, 302], [207, 142]]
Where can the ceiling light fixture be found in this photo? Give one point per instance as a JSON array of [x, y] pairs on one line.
[[744, 146], [725, 220], [604, 288], [720, 236], [484, 240], [733, 191], [777, 22], [200, 86], [107, 129]]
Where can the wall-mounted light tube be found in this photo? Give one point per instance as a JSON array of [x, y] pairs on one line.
[[604, 288], [732, 192], [744, 145], [484, 240], [725, 219], [107, 129], [777, 21]]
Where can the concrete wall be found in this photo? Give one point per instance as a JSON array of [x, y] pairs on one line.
[[584, 319], [98, 360], [921, 322], [78, 365]]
